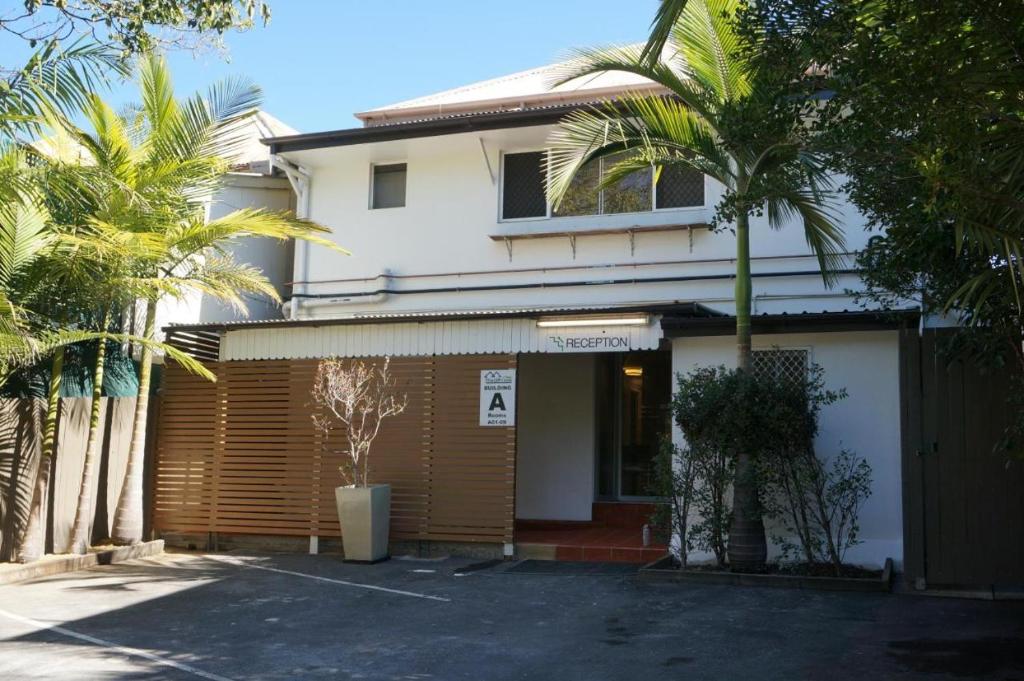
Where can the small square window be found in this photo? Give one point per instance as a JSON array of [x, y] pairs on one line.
[[388, 186]]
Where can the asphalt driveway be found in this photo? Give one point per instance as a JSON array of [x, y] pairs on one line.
[[313, 617]]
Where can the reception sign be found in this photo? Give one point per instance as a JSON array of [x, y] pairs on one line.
[[589, 341]]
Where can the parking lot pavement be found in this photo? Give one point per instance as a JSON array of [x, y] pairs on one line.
[[220, 617]]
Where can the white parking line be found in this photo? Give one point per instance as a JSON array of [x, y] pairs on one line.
[[124, 650], [343, 582]]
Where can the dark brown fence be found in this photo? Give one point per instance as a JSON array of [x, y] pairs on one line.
[[241, 456], [963, 501]]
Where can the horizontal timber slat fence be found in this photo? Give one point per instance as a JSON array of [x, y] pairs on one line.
[[241, 456]]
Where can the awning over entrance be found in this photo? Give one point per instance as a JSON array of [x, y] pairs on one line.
[[547, 330], [483, 336]]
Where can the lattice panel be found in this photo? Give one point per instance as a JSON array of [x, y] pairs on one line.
[[790, 364]]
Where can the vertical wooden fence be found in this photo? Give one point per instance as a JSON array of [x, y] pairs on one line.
[[20, 438], [241, 456], [963, 501]]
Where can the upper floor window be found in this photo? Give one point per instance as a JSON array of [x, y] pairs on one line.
[[387, 186], [523, 189]]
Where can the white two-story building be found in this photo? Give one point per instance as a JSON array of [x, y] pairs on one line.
[[458, 256]]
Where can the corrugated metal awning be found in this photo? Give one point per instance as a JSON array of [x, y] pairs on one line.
[[457, 337]]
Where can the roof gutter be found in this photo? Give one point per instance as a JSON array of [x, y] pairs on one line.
[[665, 309], [428, 128]]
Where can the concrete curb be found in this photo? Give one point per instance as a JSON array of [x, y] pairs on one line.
[[55, 565], [661, 571]]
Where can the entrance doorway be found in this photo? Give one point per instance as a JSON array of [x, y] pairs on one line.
[[634, 394]]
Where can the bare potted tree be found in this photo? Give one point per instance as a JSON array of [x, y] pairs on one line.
[[354, 398]]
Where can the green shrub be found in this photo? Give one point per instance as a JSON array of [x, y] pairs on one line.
[[694, 480], [773, 417]]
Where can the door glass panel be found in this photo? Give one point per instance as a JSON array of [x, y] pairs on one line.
[[645, 397]]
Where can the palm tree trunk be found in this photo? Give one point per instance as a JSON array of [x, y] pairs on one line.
[[33, 541], [83, 513], [748, 548], [127, 526]]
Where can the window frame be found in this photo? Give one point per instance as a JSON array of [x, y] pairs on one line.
[[373, 174], [549, 212]]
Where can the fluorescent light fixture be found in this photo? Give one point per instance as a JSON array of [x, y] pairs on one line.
[[633, 371], [617, 320]]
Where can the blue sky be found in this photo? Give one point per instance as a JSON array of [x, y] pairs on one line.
[[321, 60]]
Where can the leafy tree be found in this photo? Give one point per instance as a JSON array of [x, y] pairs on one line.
[[926, 123], [132, 26], [727, 120]]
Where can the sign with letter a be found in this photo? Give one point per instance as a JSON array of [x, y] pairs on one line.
[[498, 397]]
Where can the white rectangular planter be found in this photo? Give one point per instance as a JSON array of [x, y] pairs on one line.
[[365, 516]]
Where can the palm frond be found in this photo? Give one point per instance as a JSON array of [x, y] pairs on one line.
[[588, 62], [109, 144], [56, 78], [18, 350], [196, 235], [655, 131], [24, 235], [709, 48], [821, 224], [664, 22], [159, 107]]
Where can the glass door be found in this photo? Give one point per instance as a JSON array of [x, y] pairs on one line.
[[633, 403]]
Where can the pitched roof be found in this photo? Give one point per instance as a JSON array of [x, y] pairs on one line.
[[522, 90]]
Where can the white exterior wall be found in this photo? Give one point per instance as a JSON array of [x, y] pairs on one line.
[[442, 238], [274, 258], [556, 431], [867, 422]]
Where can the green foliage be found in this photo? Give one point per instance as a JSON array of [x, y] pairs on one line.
[[925, 122], [55, 80], [696, 482], [817, 502], [724, 118], [773, 419], [740, 411], [133, 26]]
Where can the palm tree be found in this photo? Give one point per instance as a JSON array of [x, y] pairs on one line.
[[164, 161], [55, 79], [49, 274], [722, 119]]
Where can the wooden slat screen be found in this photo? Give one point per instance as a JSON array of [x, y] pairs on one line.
[[242, 456], [203, 345]]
